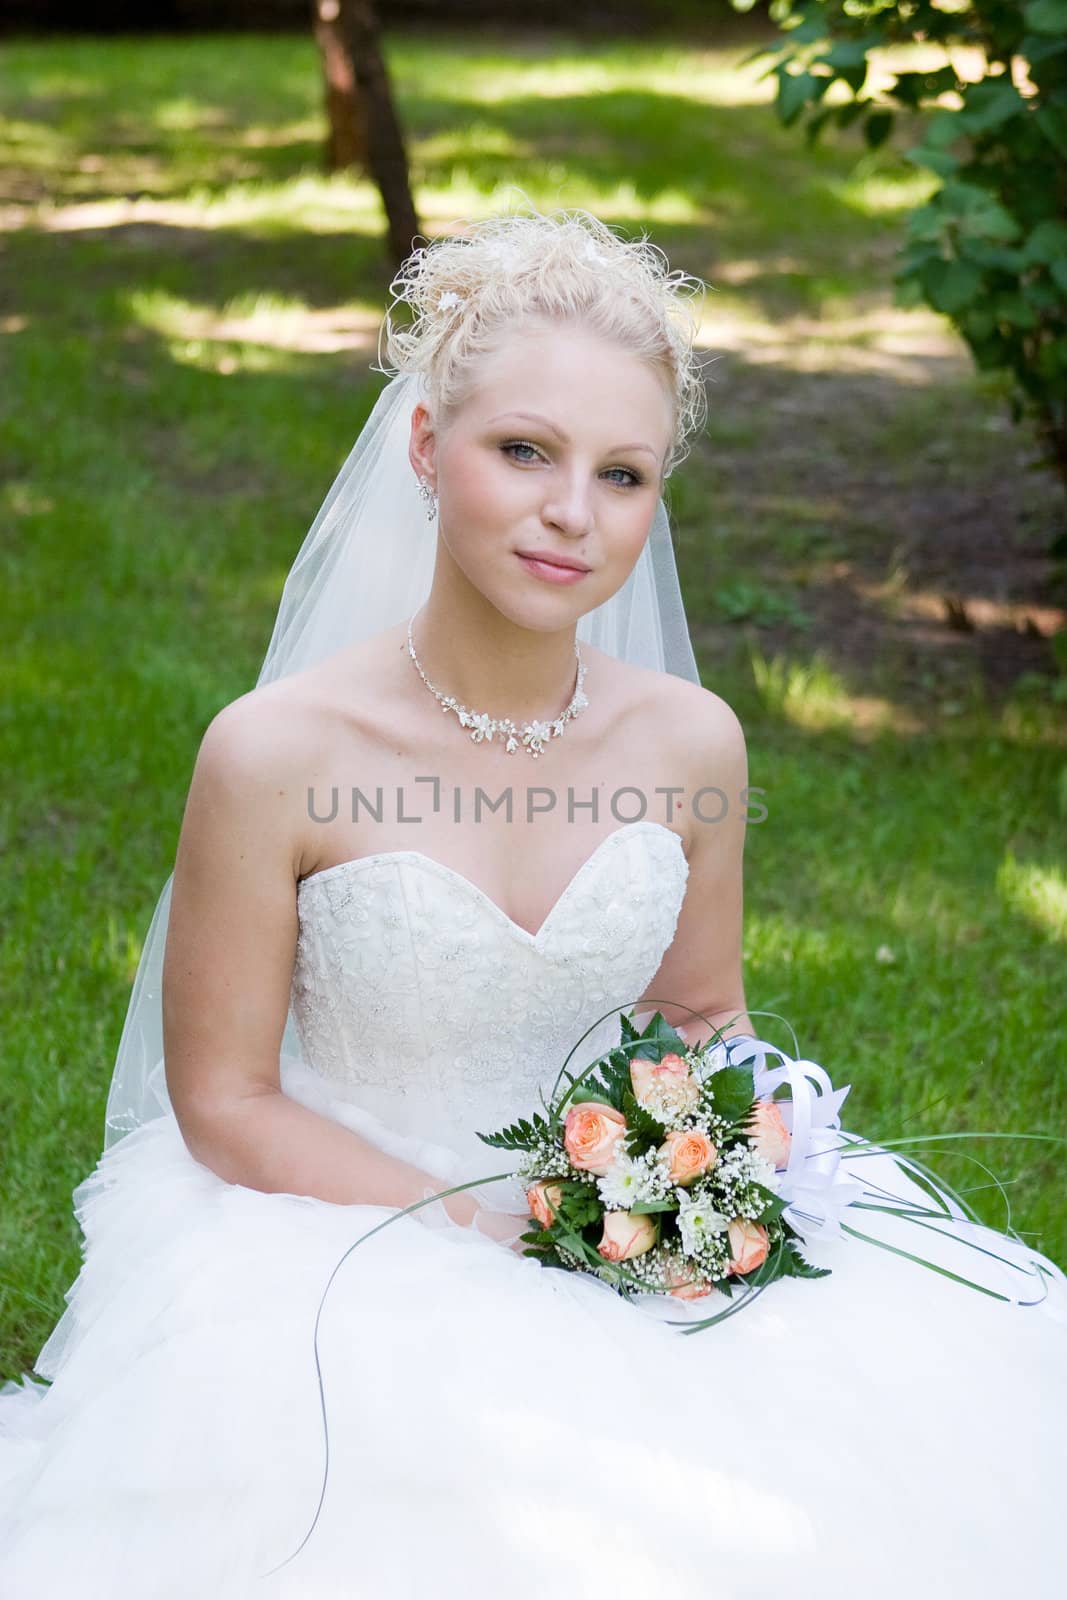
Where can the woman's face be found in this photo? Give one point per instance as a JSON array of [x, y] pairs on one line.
[[557, 452]]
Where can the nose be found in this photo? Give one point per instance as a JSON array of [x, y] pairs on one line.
[[569, 507]]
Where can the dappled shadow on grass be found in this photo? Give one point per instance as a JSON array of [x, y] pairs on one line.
[[103, 266], [887, 523], [186, 117]]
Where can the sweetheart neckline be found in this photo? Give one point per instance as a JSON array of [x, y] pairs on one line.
[[480, 893]]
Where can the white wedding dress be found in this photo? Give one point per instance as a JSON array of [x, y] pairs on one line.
[[498, 1430]]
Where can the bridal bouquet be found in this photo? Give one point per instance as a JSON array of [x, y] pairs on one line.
[[673, 1169], [661, 1170]]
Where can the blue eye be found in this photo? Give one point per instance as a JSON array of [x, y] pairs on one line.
[[520, 444], [631, 479]]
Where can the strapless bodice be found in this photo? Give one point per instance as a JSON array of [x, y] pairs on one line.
[[417, 998]]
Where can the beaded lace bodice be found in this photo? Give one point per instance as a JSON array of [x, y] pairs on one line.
[[416, 997]]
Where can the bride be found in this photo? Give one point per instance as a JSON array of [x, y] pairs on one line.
[[477, 799]]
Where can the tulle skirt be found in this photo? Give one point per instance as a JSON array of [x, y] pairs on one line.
[[497, 1429]]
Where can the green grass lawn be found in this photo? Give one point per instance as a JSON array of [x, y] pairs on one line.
[[188, 309]]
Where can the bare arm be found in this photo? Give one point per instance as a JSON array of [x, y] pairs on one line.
[[231, 944], [702, 965]]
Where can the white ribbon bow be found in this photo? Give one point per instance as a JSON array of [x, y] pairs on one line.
[[817, 1190]]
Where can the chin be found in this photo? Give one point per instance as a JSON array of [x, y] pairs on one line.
[[552, 610]]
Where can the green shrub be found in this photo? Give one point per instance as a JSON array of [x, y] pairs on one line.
[[989, 249]]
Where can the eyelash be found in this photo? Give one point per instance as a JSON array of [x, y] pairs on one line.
[[636, 478]]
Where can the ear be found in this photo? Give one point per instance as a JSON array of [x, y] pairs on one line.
[[422, 447]]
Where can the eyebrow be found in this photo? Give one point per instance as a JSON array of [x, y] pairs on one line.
[[534, 416]]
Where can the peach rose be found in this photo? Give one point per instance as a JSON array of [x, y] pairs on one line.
[[591, 1130], [689, 1152], [749, 1244], [542, 1198], [626, 1235], [684, 1284], [668, 1082], [768, 1133]]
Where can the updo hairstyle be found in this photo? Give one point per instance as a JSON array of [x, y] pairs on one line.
[[466, 293]]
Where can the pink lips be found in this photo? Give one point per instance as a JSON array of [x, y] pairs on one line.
[[551, 571]]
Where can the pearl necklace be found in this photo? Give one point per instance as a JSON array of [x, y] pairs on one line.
[[533, 735]]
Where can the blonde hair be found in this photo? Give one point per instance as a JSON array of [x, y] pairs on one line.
[[466, 292]]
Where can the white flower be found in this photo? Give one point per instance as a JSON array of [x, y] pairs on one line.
[[697, 1221], [629, 1179], [449, 301]]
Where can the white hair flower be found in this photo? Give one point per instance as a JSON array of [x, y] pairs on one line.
[[449, 301]]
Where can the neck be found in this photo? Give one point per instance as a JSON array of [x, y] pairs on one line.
[[490, 664]]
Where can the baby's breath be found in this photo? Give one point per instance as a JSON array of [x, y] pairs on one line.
[[734, 1178], [545, 1159]]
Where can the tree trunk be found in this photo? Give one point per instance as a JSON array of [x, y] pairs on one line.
[[346, 118], [386, 159]]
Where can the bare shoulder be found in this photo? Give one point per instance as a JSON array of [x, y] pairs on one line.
[[710, 725], [276, 728], [266, 750], [695, 723], [262, 736]]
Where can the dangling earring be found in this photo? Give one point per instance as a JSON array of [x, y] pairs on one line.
[[429, 496]]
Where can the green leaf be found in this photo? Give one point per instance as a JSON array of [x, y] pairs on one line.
[[658, 1040], [977, 322], [1046, 16], [846, 53], [951, 285], [847, 114], [877, 128], [807, 32], [798, 1267], [942, 129], [847, 59], [589, 1090], [522, 1135], [940, 161], [988, 104], [926, 225], [912, 88], [977, 212], [1035, 50], [731, 1092], [795, 89], [999, 257], [1046, 242], [1043, 295], [1012, 308], [1052, 120], [1053, 359], [644, 1131], [643, 1207]]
